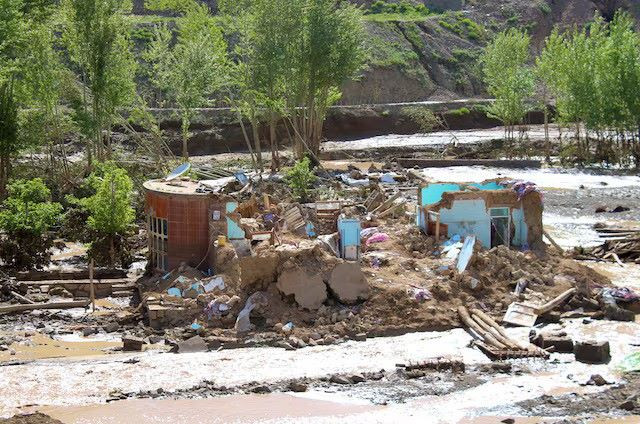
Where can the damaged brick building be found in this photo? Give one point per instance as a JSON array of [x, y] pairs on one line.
[[497, 212]]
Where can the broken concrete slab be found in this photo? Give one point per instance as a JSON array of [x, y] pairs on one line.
[[349, 283], [309, 291], [592, 352]]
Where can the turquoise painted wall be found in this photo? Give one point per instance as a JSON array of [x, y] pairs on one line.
[[432, 193], [521, 233], [466, 217], [233, 230]]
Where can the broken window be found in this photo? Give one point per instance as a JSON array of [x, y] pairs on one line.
[[158, 242]]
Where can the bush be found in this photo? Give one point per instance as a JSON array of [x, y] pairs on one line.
[[26, 217], [460, 112], [300, 178], [110, 215], [424, 117]]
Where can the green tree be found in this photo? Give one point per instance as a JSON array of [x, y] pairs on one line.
[[328, 53], [294, 56], [190, 70], [96, 35], [110, 213], [26, 217], [508, 78]]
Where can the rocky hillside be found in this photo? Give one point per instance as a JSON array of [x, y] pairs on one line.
[[435, 57]]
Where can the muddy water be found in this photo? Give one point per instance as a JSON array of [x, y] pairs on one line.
[[237, 408], [71, 385], [438, 138], [40, 346]]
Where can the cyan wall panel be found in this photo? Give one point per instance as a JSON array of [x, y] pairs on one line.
[[521, 233], [234, 232], [468, 216], [432, 193]]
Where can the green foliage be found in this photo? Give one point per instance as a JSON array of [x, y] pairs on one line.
[[462, 26], [25, 218], [403, 11], [544, 7], [294, 56], [191, 69], [424, 117], [96, 35], [300, 179], [460, 111], [110, 210], [508, 77], [594, 74]]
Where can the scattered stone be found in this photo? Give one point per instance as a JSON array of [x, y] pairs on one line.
[[619, 208], [592, 352], [597, 380], [415, 374], [298, 387], [357, 378], [360, 337], [627, 405], [194, 344], [153, 339], [59, 291], [312, 342], [261, 389], [112, 327], [508, 421], [329, 339], [285, 345], [132, 344], [87, 331], [315, 336], [340, 379]]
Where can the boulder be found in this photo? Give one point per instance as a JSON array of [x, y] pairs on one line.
[[592, 352], [349, 283], [309, 291], [194, 344]]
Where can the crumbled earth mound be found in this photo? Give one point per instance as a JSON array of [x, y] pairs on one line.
[[36, 418]]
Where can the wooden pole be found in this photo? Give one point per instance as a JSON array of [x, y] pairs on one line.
[[437, 228], [91, 288]]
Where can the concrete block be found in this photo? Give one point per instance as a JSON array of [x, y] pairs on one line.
[[592, 352]]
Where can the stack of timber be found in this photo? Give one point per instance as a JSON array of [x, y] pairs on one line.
[[493, 340], [620, 245]]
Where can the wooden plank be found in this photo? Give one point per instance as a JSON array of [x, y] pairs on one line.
[[51, 305]]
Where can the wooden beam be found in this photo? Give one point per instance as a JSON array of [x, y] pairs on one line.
[[50, 305]]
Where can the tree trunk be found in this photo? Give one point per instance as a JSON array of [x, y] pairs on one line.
[[185, 138], [5, 168], [275, 155], [256, 143]]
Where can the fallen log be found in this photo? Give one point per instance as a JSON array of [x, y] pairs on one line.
[[51, 305]]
